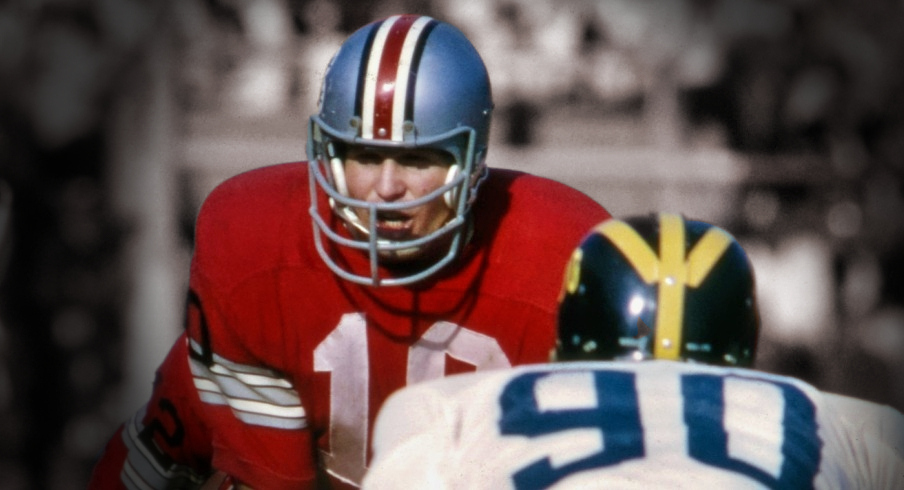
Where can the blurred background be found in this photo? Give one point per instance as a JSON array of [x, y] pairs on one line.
[[780, 120]]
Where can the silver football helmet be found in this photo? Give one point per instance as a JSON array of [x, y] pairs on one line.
[[409, 82]]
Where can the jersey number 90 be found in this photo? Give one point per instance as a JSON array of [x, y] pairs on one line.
[[617, 416]]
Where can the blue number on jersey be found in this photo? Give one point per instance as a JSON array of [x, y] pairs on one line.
[[616, 415], [704, 412]]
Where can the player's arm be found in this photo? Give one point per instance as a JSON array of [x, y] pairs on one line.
[[209, 412], [874, 438], [412, 432], [883, 446], [413, 463], [258, 423], [166, 443]]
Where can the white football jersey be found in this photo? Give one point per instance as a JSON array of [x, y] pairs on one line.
[[632, 425]]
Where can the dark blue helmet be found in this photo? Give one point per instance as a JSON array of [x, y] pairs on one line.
[[658, 287], [408, 81]]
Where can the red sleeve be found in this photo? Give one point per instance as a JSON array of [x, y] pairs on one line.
[[258, 424], [166, 442], [105, 475], [176, 439]]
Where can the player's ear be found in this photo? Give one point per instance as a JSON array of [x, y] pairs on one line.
[[552, 355]]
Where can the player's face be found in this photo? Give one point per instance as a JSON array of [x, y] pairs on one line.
[[382, 175]]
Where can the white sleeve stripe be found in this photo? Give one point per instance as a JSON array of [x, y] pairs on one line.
[[255, 418], [234, 388], [255, 395], [207, 385], [137, 447], [132, 479], [141, 469], [250, 379], [253, 406]]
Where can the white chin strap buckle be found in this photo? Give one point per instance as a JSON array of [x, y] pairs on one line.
[[338, 169], [451, 196]]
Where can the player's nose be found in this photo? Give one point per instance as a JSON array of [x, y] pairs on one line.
[[390, 183]]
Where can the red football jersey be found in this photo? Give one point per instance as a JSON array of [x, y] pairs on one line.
[[284, 365]]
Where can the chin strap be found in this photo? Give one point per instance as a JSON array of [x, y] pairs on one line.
[[338, 169], [450, 197]]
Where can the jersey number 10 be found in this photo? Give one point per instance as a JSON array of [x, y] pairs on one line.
[[343, 353]]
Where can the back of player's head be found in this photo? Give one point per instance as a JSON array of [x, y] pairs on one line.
[[658, 287]]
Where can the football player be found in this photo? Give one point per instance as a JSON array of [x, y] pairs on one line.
[[657, 333], [318, 288]]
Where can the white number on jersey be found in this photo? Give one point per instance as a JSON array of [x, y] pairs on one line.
[[705, 408], [343, 353]]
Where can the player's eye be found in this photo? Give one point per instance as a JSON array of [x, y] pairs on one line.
[[369, 157], [424, 159], [415, 160]]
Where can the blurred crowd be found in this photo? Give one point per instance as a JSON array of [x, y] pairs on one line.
[[97, 94]]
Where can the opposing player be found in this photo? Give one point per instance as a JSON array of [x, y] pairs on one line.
[[318, 288], [658, 322]]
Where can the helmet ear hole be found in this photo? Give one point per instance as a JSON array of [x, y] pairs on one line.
[[451, 196]]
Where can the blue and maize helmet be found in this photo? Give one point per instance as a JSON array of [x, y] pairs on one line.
[[658, 287], [408, 81]]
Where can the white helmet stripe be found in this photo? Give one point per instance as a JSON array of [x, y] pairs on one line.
[[386, 77], [370, 78], [402, 77]]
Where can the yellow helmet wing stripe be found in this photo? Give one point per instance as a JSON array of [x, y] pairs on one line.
[[572, 274], [711, 246], [670, 311], [633, 247], [673, 269]]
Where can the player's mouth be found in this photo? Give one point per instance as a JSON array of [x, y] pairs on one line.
[[394, 225]]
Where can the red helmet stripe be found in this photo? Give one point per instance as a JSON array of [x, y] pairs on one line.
[[386, 81], [386, 77]]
